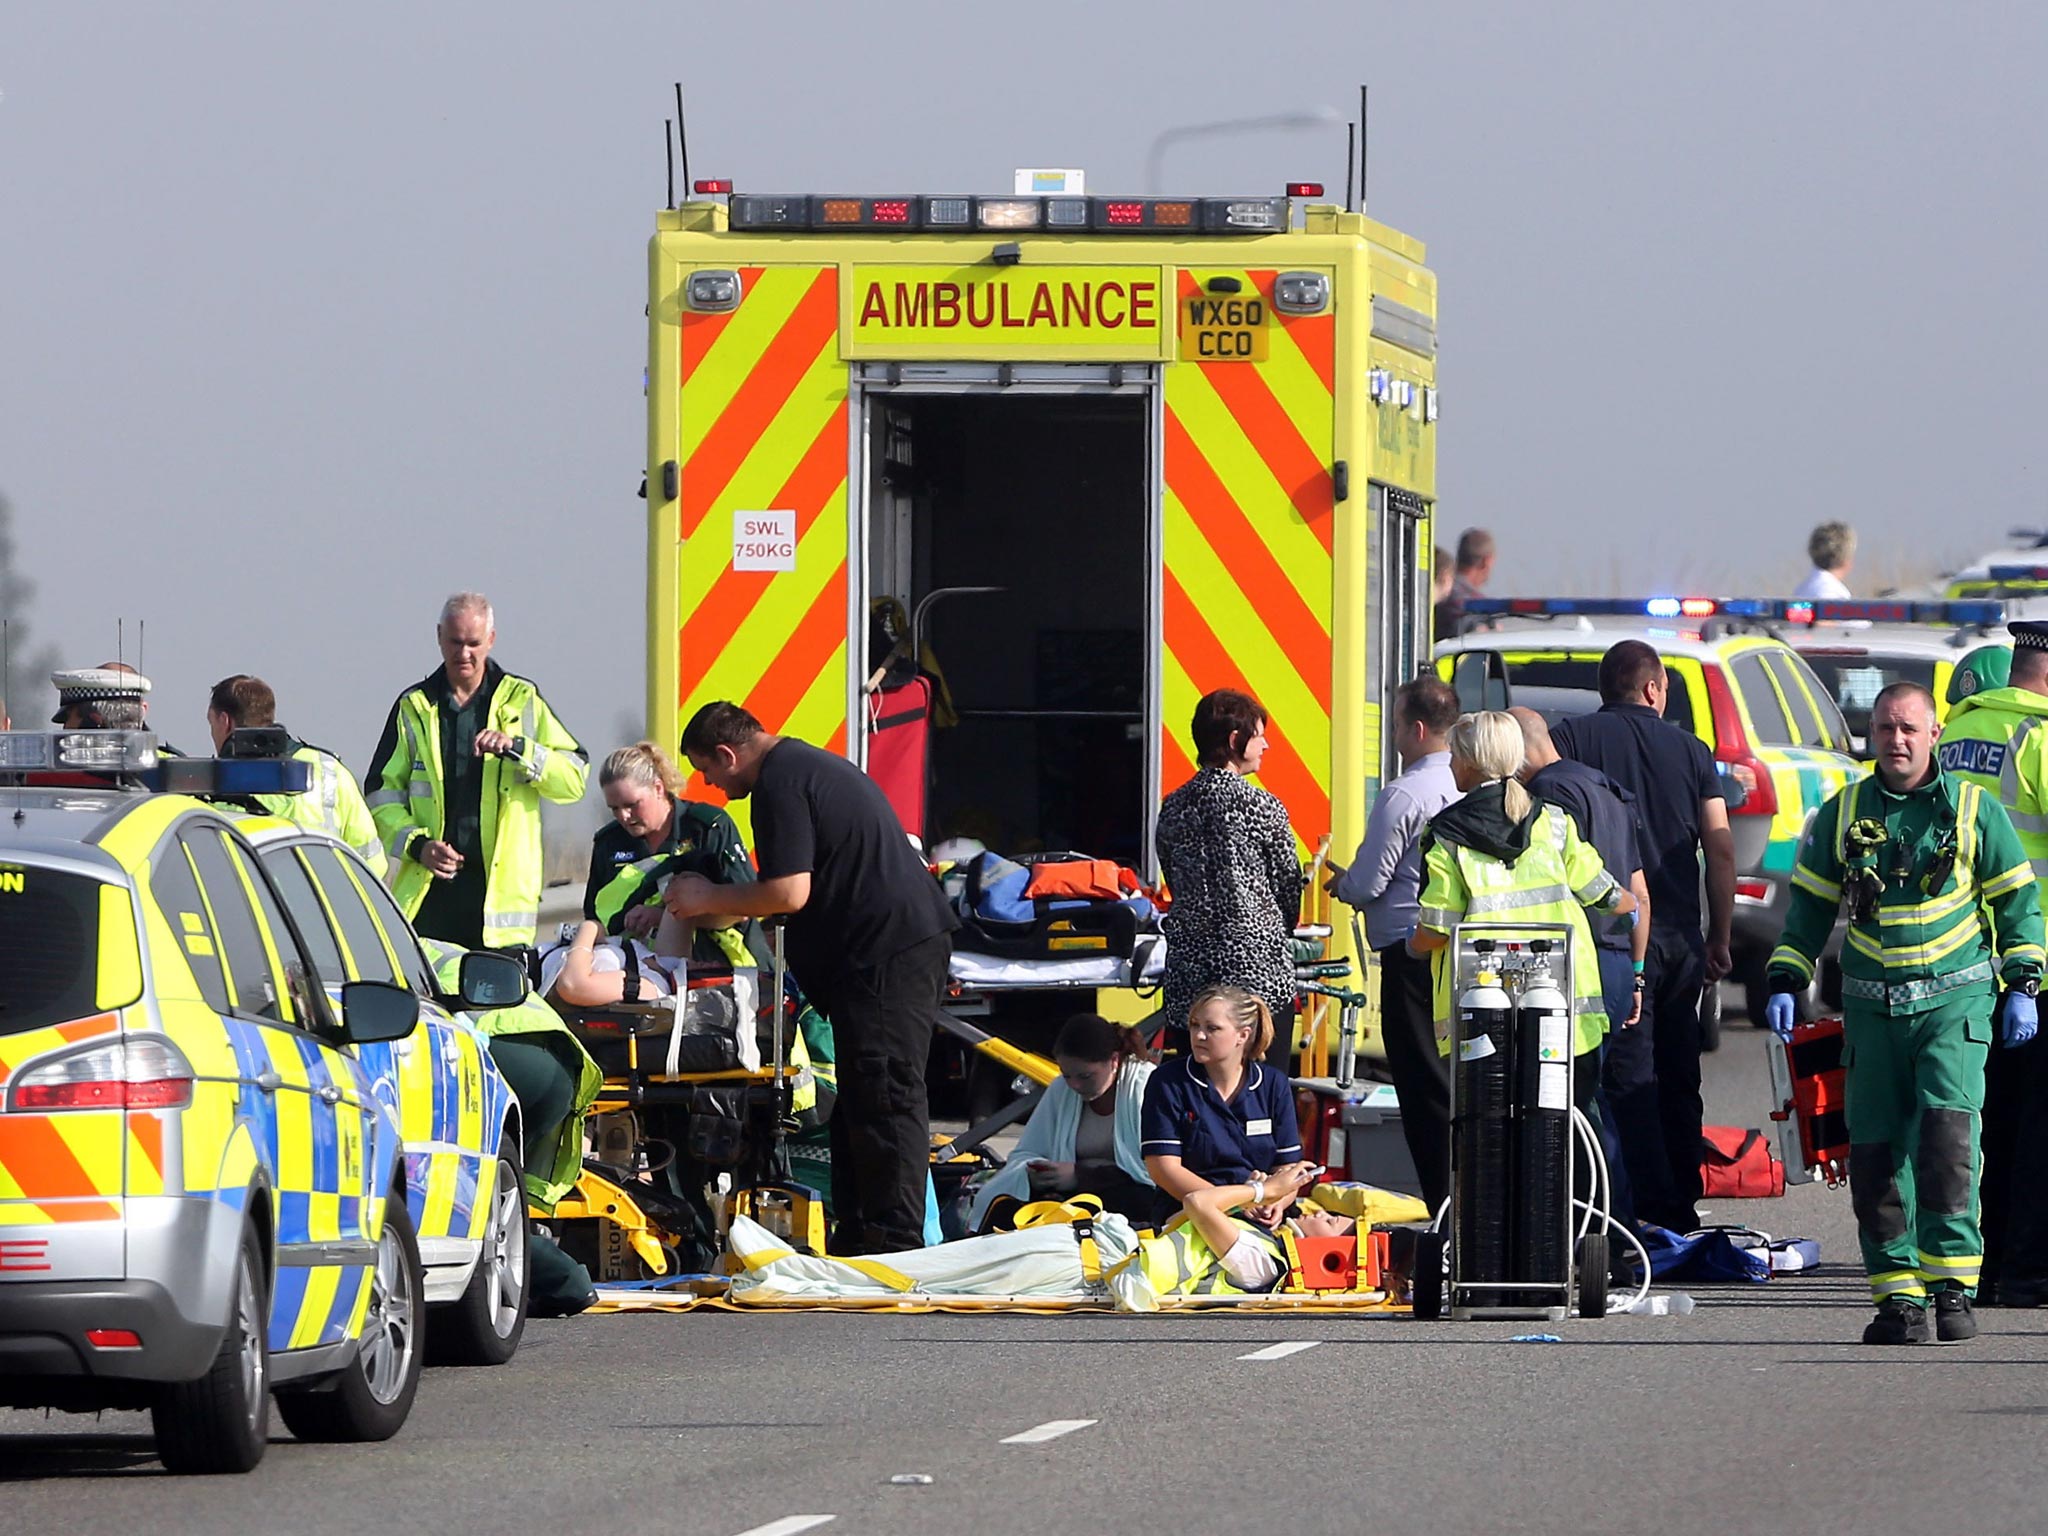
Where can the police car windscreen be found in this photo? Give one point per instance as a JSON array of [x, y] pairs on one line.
[[1856, 679], [49, 947], [1556, 682]]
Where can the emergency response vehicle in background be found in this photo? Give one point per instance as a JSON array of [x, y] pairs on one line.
[[1774, 730], [224, 1148], [1101, 454]]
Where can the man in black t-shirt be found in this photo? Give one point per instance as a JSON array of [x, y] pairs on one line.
[[869, 936], [1652, 1072]]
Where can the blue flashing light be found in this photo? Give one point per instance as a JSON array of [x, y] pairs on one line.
[[1800, 611], [1662, 608], [230, 776]]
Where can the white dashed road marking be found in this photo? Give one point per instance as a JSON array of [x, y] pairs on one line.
[[789, 1525], [1281, 1351], [1052, 1429]]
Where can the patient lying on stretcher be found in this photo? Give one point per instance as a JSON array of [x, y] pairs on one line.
[[1210, 1251], [593, 971]]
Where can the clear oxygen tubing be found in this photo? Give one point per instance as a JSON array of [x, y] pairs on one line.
[[1596, 1159], [1598, 1206]]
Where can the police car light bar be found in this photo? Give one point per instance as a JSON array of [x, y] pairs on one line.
[[1776, 609], [77, 751], [229, 776], [2033, 574]]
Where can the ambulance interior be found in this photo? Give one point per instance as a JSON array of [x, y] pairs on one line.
[[1047, 496]]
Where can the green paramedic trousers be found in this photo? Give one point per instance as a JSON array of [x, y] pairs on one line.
[[1915, 1089]]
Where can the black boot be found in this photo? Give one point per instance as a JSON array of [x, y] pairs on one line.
[[1897, 1322], [1954, 1318]]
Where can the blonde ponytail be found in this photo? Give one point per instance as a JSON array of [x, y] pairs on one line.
[[644, 763], [1492, 742]]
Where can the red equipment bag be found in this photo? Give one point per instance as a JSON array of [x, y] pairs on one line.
[[899, 735], [1738, 1165]]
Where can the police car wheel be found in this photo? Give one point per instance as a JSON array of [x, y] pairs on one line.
[[221, 1422], [483, 1327], [369, 1398]]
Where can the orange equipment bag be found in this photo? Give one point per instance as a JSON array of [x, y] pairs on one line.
[[1075, 879]]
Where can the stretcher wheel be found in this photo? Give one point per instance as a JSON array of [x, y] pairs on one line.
[[1426, 1285], [1593, 1275]]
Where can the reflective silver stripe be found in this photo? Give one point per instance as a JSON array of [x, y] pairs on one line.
[[530, 919], [2009, 775], [420, 789], [1510, 901], [366, 849], [384, 797], [1442, 919], [1908, 992], [400, 836], [2026, 821], [539, 765], [1598, 891]]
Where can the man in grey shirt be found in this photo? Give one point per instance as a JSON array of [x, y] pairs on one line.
[[1385, 883]]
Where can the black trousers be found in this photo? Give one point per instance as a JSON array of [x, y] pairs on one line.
[[1422, 1077], [1652, 1076], [2014, 1216], [882, 1018]]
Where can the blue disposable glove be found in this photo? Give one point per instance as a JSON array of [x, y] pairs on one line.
[[1779, 1013], [2022, 1018]]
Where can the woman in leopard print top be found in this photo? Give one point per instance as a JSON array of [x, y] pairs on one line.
[[1230, 863]]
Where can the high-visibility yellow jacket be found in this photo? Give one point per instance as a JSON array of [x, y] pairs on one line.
[[1181, 1262], [1995, 740], [1928, 943], [1553, 880], [333, 804], [408, 802]]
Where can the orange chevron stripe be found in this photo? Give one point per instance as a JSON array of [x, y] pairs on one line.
[[1210, 665], [148, 1133], [814, 641], [697, 332], [770, 383], [1279, 442], [809, 491], [1237, 543], [40, 1160], [817, 637]]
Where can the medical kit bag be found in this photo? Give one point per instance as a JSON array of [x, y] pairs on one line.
[[1738, 1165], [1082, 907]]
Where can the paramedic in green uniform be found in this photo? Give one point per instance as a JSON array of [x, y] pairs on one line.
[[1935, 884]]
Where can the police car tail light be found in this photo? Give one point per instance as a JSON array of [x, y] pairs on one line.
[[136, 1074]]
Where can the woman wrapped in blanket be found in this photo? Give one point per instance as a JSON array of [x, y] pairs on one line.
[[1213, 1251]]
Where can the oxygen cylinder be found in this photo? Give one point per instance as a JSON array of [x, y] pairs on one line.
[[1542, 1120], [1482, 1041]]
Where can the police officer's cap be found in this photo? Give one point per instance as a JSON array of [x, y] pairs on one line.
[[1985, 668], [95, 685], [2029, 634]]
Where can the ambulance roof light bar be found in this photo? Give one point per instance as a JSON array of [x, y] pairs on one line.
[[803, 213]]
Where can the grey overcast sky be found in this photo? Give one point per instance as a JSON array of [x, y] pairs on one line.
[[314, 313]]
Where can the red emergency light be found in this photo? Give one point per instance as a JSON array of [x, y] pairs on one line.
[[716, 185], [1304, 189]]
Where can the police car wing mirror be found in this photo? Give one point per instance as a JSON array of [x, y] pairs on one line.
[[373, 1012], [490, 981]]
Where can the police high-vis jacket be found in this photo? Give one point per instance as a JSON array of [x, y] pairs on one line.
[[332, 804], [408, 802], [1965, 894], [1474, 872], [1996, 740]]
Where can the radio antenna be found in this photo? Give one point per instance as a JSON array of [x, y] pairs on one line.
[[1364, 140], [7, 687], [682, 138], [1350, 163], [668, 148], [120, 642]]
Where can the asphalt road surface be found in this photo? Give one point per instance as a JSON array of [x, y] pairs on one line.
[[1757, 1412]]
